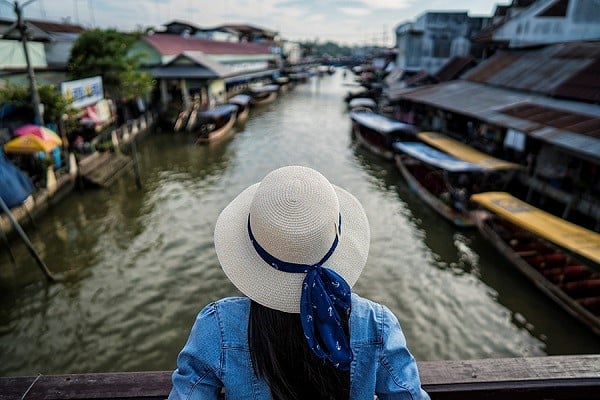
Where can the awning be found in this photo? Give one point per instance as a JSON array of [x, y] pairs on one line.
[[486, 103], [464, 152], [556, 230], [435, 158], [380, 123]]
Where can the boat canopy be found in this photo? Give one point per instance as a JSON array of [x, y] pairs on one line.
[[381, 123], [434, 157], [240, 100], [464, 152], [218, 111], [362, 102], [264, 89], [552, 228]]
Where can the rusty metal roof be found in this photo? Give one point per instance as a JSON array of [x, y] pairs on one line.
[[455, 67], [567, 70], [556, 118], [572, 125]]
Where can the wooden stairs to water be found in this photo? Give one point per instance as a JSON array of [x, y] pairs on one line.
[[103, 168]]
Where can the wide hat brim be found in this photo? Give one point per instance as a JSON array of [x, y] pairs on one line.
[[276, 289]]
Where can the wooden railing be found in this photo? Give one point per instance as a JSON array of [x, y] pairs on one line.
[[557, 377]]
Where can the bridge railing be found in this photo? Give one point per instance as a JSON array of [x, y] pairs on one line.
[[557, 377]]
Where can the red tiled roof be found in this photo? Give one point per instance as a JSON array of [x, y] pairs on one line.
[[168, 44], [49, 26]]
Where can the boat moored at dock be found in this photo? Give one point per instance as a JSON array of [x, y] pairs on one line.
[[262, 95], [242, 102], [362, 104], [562, 259], [377, 133], [215, 124], [436, 178]]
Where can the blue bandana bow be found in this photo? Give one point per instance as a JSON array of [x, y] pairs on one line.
[[324, 292]]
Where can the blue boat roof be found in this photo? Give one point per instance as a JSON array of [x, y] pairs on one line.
[[240, 99], [362, 102], [264, 89], [218, 111], [380, 122], [434, 157]]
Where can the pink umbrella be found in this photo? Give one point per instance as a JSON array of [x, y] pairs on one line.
[[42, 132]]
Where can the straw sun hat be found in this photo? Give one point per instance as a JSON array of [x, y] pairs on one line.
[[294, 213]]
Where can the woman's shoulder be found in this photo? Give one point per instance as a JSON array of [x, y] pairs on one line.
[[367, 319], [227, 308], [228, 316]]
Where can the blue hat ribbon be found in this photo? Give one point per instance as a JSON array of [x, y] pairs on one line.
[[324, 293]]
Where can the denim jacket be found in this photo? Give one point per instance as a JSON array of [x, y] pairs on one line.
[[216, 356]]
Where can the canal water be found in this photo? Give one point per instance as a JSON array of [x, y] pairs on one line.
[[142, 262]]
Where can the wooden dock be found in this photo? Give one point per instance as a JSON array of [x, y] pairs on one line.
[[557, 377], [103, 168]]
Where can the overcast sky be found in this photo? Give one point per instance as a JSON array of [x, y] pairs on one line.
[[351, 22]]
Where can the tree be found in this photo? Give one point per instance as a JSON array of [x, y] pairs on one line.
[[103, 52], [55, 105]]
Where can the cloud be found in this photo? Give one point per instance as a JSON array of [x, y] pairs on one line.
[[389, 4], [355, 11]]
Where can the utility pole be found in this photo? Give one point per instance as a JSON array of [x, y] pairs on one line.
[[22, 28]]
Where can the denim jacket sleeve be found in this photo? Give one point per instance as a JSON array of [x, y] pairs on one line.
[[199, 363], [397, 374]]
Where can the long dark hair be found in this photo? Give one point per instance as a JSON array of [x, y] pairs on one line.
[[281, 356]]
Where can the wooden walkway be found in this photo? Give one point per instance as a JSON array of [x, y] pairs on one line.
[[558, 377], [102, 168]]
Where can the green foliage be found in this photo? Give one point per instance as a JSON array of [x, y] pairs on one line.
[[104, 52], [55, 105]]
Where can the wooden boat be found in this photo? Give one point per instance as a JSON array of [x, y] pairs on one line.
[[434, 175], [445, 176], [284, 83], [242, 102], [215, 124], [560, 258], [464, 152], [262, 95], [362, 104], [377, 132]]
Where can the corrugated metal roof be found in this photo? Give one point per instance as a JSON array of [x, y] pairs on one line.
[[570, 70], [555, 121], [553, 117], [455, 67], [168, 44]]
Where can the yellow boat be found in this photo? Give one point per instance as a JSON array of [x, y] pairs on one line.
[[559, 257]]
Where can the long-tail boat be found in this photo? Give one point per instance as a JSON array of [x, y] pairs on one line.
[[439, 179], [560, 258], [445, 176], [242, 102], [377, 132], [262, 95], [215, 124]]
